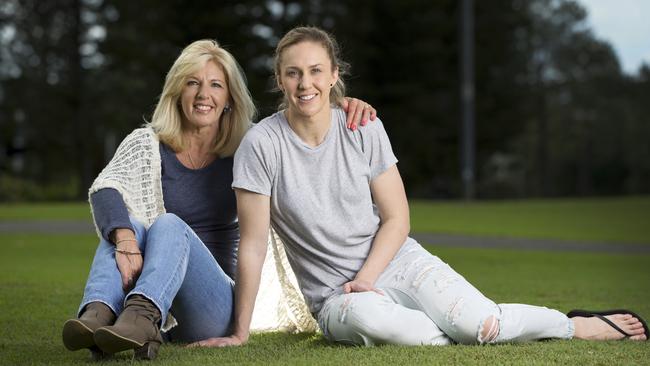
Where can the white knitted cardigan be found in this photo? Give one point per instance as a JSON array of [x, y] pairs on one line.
[[135, 172]]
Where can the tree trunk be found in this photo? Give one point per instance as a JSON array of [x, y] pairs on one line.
[[81, 131]]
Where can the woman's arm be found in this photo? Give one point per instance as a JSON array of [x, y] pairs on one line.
[[109, 212], [254, 217], [112, 219], [389, 196]]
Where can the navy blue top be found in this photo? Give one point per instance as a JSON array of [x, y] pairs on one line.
[[202, 198]]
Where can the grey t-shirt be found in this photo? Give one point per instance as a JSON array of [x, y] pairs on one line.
[[321, 205]]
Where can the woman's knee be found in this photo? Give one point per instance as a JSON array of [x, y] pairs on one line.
[[167, 219], [472, 324], [167, 229], [489, 330], [167, 223], [362, 313], [481, 331]]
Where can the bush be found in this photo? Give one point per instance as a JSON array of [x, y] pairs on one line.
[[16, 189]]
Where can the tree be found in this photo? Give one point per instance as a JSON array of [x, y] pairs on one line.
[[46, 82], [552, 104]]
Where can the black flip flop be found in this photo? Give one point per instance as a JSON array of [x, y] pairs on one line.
[[601, 316]]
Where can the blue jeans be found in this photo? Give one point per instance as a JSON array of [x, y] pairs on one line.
[[179, 275]]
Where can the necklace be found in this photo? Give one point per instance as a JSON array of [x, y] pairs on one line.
[[189, 157]]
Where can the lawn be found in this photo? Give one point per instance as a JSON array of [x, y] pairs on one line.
[[45, 211], [42, 278], [617, 219]]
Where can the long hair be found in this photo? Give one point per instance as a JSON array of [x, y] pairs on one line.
[[167, 116]]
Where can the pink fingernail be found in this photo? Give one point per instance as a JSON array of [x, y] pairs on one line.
[[354, 127]]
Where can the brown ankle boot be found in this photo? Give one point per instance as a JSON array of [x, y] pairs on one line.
[[136, 328], [78, 333]]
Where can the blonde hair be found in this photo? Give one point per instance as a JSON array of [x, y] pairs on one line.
[[316, 35], [167, 116]]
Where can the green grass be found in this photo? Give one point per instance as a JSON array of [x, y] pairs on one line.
[[42, 279], [45, 211], [620, 219]]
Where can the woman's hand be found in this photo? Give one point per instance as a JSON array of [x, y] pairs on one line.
[[360, 286], [233, 340], [127, 257], [358, 112]]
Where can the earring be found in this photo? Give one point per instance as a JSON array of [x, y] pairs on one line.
[[331, 85], [227, 108]]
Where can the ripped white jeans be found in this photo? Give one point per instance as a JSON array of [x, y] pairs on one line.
[[426, 302]]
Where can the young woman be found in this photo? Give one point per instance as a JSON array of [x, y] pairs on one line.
[[336, 199], [166, 216]]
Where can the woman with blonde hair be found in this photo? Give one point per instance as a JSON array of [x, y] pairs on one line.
[[336, 199], [166, 217]]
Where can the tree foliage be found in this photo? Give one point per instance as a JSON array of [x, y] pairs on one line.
[[555, 113]]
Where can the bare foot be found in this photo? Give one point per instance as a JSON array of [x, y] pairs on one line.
[[596, 329]]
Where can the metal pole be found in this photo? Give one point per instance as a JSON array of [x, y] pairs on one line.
[[467, 98]]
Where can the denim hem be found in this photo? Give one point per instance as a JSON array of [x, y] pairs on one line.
[[83, 305], [163, 314], [571, 329]]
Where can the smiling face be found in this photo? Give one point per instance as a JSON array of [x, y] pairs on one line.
[[306, 78], [204, 96]]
